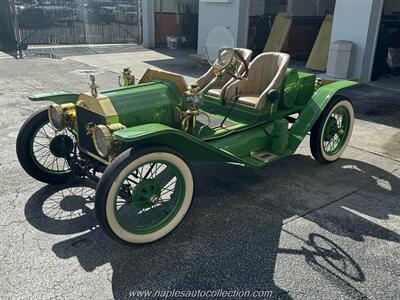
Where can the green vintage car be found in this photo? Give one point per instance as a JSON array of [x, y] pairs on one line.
[[138, 141]]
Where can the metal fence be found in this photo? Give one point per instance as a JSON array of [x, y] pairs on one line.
[[77, 21]]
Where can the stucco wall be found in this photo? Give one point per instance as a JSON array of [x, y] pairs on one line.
[[232, 14]]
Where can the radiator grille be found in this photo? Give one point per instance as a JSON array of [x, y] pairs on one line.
[[85, 117]]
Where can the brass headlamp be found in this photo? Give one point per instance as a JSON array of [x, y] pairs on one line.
[[62, 116], [103, 137]]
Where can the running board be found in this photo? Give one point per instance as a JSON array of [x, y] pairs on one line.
[[263, 156]]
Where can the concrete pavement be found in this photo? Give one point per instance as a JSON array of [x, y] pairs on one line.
[[299, 229]]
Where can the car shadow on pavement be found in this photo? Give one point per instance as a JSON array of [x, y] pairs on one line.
[[230, 238]]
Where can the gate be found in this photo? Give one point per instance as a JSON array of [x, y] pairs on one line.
[[77, 21]]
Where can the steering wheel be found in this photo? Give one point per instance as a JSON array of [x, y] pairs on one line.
[[231, 61], [226, 59], [238, 57]]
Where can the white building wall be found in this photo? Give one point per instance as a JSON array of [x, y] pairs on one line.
[[232, 14], [358, 21], [243, 23], [148, 10]]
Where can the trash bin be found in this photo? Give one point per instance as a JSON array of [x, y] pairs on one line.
[[174, 42], [340, 59]]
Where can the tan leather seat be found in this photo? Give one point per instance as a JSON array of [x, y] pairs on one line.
[[219, 89], [250, 100], [215, 92], [266, 73]]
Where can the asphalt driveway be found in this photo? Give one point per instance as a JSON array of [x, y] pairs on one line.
[[296, 228]]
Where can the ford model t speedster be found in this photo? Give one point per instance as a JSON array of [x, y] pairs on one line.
[[137, 141]]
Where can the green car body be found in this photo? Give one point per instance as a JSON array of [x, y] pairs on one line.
[[147, 112], [142, 137]]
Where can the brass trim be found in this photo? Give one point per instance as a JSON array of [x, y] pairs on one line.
[[106, 162], [69, 114], [178, 80], [101, 105], [107, 136], [115, 127]]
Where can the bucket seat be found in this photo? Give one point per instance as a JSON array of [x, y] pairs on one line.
[[266, 73]]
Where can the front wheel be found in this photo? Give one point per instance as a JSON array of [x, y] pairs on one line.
[[332, 132], [42, 150], [143, 195]]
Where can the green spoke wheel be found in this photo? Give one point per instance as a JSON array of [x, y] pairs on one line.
[[42, 150], [144, 195], [332, 132], [50, 148]]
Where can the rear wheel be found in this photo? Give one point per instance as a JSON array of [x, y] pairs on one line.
[[143, 195], [42, 150], [332, 132]]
